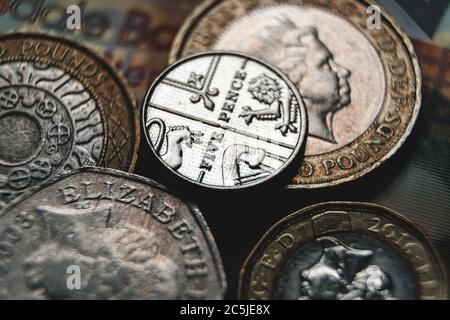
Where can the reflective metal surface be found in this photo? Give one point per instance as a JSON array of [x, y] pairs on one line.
[[61, 107], [343, 251], [224, 120], [128, 237], [361, 86]]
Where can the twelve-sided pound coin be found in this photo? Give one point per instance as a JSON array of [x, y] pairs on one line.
[[103, 234], [61, 107], [360, 80], [224, 120], [343, 251]]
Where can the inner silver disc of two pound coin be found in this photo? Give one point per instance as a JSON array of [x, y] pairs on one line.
[[224, 120]]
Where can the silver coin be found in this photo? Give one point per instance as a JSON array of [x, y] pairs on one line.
[[103, 234], [224, 120]]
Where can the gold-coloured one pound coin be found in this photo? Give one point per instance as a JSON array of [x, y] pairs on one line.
[[343, 251]]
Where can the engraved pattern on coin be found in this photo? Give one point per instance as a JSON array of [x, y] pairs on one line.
[[344, 273], [343, 251], [302, 54], [45, 130], [55, 116], [249, 125], [266, 90], [361, 87], [130, 238], [108, 271]]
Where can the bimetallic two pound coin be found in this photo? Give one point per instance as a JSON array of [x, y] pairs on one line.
[[343, 251], [102, 234], [224, 120], [360, 82], [61, 107]]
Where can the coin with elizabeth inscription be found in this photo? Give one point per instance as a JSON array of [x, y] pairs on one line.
[[224, 120], [343, 251], [360, 82], [99, 233], [61, 107]]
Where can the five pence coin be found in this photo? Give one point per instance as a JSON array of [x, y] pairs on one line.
[[224, 120]]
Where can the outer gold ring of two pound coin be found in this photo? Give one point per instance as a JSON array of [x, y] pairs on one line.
[[61, 107]]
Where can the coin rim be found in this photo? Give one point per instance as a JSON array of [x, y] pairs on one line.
[[312, 210], [195, 211], [189, 24], [116, 75], [303, 114]]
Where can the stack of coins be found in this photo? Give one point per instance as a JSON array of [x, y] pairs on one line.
[[259, 96]]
